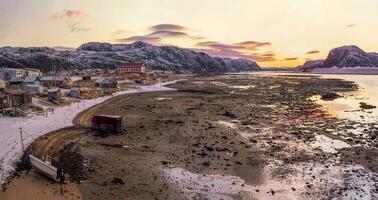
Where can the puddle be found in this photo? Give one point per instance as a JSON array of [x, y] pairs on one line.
[[162, 98], [242, 87], [231, 125], [328, 145]]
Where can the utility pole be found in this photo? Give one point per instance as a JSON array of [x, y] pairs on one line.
[[22, 140]]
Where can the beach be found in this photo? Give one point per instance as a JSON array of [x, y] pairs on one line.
[[239, 136]]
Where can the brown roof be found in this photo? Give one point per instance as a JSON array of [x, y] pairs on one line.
[[130, 65]]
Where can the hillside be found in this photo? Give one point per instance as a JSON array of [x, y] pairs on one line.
[[344, 59], [105, 55]]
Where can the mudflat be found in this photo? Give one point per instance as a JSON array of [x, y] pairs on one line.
[[217, 137]]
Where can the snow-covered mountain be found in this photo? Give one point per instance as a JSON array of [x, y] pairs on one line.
[[105, 55], [343, 58]]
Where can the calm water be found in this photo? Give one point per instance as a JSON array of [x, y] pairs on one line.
[[349, 106]]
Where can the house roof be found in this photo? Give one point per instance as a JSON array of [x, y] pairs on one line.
[[30, 79], [16, 80], [105, 80], [52, 78], [53, 90], [131, 65]]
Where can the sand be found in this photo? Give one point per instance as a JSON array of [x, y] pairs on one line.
[[32, 186], [230, 137]]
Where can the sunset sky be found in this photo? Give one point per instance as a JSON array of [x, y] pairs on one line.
[[271, 32]]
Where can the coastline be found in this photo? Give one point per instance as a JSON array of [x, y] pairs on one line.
[[37, 126], [192, 147]]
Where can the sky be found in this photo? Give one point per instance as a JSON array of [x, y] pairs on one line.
[[271, 32]]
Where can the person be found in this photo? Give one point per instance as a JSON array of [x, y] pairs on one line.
[[60, 177]]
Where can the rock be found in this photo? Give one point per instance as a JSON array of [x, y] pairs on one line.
[[343, 57], [95, 46], [311, 64], [229, 114], [350, 56], [366, 106], [330, 96], [117, 181]]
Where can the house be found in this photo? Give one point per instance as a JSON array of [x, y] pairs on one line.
[[33, 85], [54, 94], [32, 81], [5, 101], [86, 77], [53, 81], [75, 92], [2, 84], [131, 68], [16, 81], [33, 72], [20, 98], [9, 73], [106, 82], [139, 81]]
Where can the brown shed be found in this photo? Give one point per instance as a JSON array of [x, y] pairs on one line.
[[107, 123]]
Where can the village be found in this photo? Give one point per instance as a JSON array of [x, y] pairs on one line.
[[28, 91]]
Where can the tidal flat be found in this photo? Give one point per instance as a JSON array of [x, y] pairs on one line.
[[243, 136]]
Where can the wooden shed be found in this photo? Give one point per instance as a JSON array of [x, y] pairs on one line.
[[107, 123]]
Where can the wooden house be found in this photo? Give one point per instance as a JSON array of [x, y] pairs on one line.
[[53, 81], [106, 82], [20, 98], [54, 94]]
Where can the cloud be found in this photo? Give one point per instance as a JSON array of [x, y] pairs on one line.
[[170, 34], [74, 19], [70, 14], [119, 32], [290, 59], [167, 27], [77, 26], [247, 45], [160, 32], [245, 50], [351, 25], [148, 39], [313, 52]]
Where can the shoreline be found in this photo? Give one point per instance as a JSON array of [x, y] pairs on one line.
[[245, 152], [36, 129]]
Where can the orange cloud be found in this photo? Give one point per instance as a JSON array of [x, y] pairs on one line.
[[245, 50], [313, 52], [290, 59]]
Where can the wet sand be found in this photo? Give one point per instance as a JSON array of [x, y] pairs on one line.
[[33, 186], [229, 137]]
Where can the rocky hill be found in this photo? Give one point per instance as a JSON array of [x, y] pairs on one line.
[[344, 57], [105, 55]]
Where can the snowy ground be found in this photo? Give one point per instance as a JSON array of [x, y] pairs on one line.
[[346, 70], [33, 127]]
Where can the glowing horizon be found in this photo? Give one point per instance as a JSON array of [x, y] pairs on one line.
[[273, 33]]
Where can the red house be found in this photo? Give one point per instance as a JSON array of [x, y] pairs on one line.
[[131, 68]]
